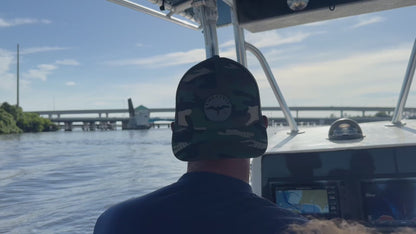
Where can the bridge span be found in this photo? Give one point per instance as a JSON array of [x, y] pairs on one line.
[[296, 109], [90, 118]]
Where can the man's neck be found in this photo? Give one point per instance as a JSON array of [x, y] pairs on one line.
[[237, 168]]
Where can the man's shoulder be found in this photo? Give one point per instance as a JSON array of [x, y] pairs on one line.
[[131, 213], [142, 202], [187, 205]]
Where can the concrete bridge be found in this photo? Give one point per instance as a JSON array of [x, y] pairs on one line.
[[90, 118], [97, 118], [57, 113]]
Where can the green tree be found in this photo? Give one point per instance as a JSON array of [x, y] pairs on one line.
[[7, 123], [48, 125], [15, 111], [34, 123], [14, 120]]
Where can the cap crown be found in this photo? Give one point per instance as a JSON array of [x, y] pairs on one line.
[[218, 113]]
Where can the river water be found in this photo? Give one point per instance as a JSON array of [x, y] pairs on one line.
[[60, 182]]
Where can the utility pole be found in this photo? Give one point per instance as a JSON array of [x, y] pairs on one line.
[[17, 74]]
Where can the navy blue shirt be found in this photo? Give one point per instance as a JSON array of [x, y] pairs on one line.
[[200, 202]]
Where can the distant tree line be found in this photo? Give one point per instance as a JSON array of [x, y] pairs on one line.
[[14, 120], [379, 114], [382, 114]]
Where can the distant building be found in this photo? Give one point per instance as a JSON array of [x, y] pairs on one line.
[[140, 118], [142, 115]]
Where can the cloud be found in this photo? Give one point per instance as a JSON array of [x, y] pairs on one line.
[[41, 49], [6, 59], [367, 21], [70, 83], [157, 94], [69, 62], [261, 40], [227, 43], [165, 60], [152, 95], [272, 38], [315, 24], [351, 80], [8, 78], [41, 72], [21, 21]]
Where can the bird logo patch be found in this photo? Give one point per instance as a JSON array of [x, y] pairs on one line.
[[217, 108]]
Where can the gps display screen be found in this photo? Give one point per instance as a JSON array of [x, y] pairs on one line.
[[391, 202], [303, 201]]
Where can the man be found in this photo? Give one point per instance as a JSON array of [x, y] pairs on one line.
[[218, 127]]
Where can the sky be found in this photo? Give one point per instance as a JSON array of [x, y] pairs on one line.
[[94, 54]]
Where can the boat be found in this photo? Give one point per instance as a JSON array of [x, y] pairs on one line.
[[364, 172]]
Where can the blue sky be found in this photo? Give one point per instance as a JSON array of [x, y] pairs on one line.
[[95, 54]]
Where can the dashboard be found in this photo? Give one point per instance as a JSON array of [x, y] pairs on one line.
[[375, 186]]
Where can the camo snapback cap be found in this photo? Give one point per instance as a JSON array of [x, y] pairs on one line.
[[218, 113]]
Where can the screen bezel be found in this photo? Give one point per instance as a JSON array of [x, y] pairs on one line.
[[331, 189]]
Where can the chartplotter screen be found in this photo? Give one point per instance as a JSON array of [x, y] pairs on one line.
[[390, 202]]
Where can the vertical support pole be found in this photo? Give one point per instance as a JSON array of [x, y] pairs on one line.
[[398, 112], [207, 14], [92, 126], [68, 126], [17, 74], [239, 38]]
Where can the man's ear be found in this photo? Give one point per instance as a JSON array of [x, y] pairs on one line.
[[265, 121]]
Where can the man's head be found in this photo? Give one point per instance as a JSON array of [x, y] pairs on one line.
[[218, 113]]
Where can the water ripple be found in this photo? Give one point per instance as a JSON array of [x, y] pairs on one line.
[[61, 182]]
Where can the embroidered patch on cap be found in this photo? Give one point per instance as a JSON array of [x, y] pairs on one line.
[[217, 108]]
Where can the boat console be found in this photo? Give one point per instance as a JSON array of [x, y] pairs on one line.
[[374, 185]]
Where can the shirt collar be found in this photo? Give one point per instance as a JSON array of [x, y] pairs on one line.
[[209, 180]]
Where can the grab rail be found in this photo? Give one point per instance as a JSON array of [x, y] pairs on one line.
[[272, 81], [407, 82]]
